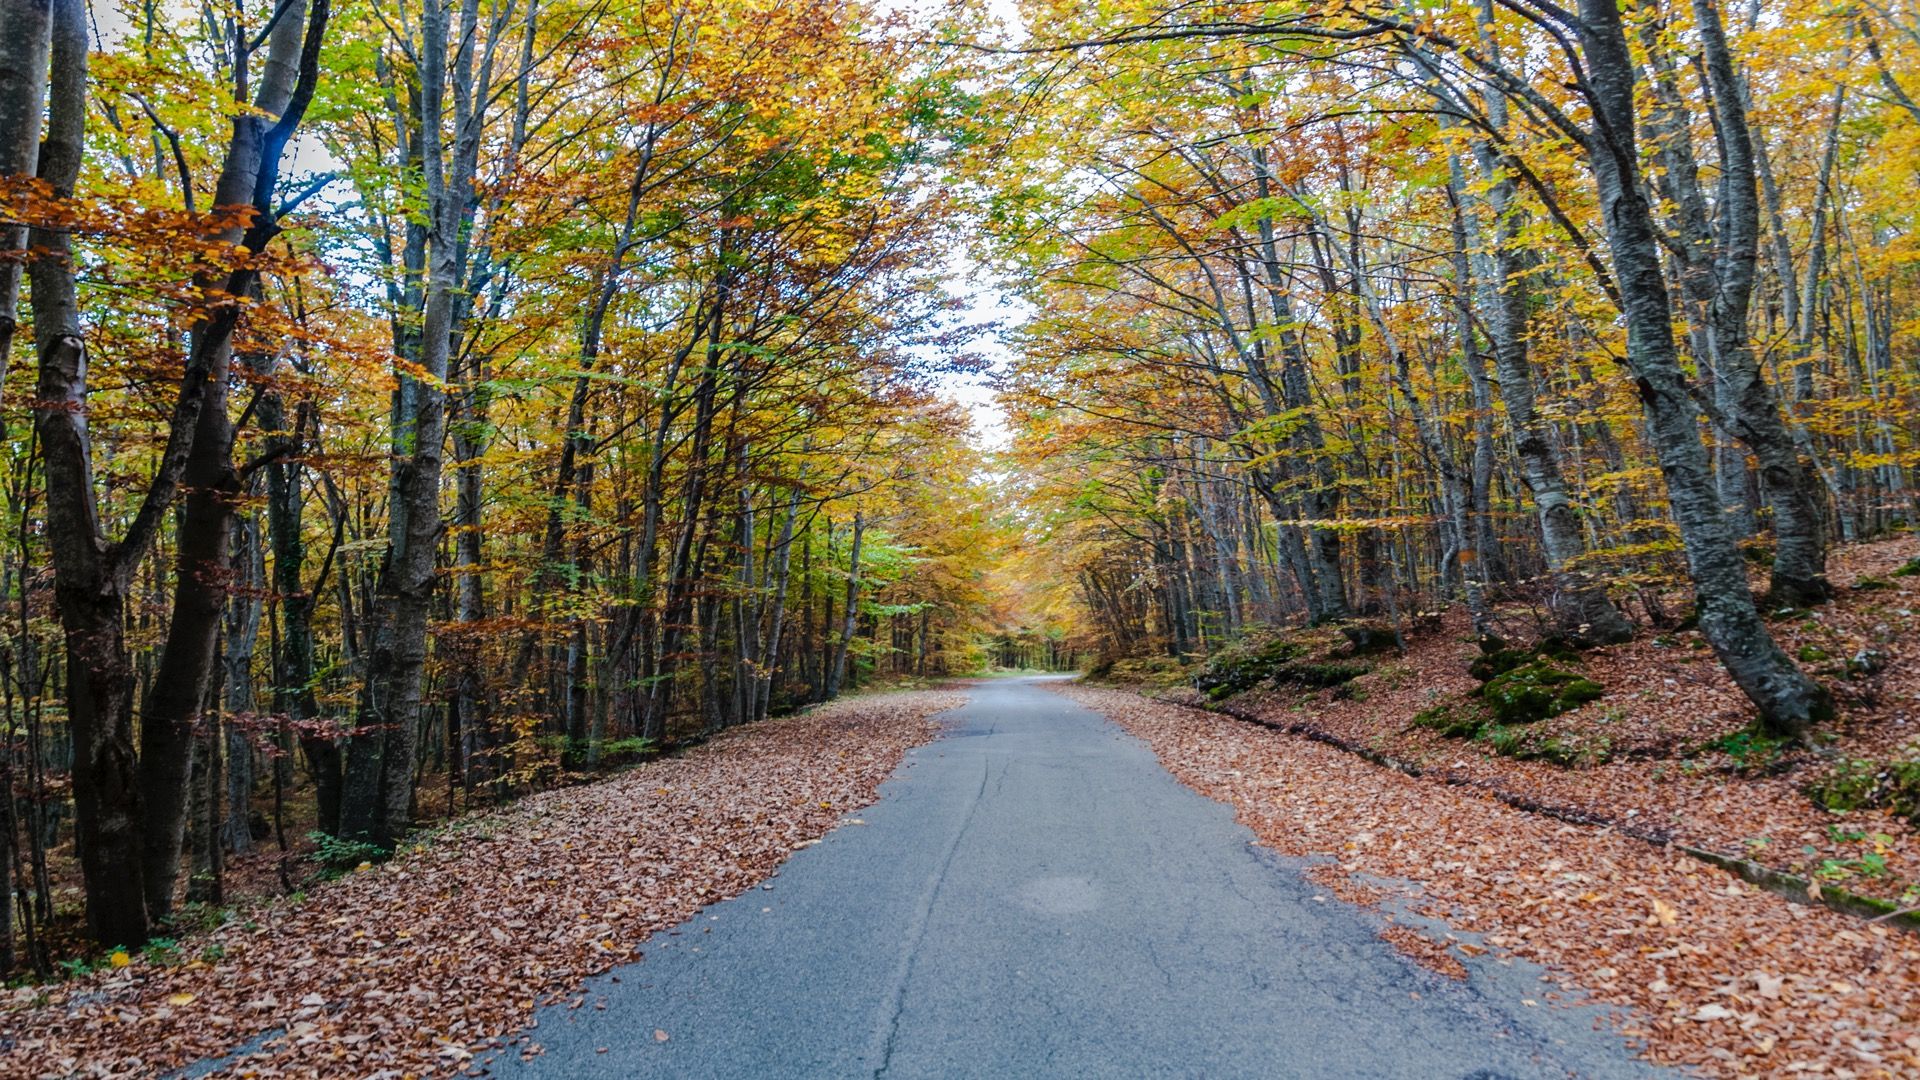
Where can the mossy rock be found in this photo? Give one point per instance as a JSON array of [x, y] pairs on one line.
[[1245, 665], [1910, 568], [1366, 638], [1320, 673], [1871, 584], [1489, 665], [1867, 784], [1496, 658], [1535, 691], [1148, 670]]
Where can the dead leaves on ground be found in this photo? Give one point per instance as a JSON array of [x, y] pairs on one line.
[[422, 965]]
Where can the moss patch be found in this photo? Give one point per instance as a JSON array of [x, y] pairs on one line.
[[1320, 673], [1456, 720], [1535, 691], [1148, 670], [1245, 665], [1868, 784]]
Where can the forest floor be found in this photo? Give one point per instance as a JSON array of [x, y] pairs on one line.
[[1725, 976], [1667, 749], [417, 966]]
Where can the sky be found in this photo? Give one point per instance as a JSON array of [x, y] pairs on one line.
[[985, 304]]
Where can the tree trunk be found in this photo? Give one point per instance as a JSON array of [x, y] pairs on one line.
[[837, 671], [24, 41], [1788, 701]]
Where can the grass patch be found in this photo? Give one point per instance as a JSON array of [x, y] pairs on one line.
[[1750, 748], [338, 856]]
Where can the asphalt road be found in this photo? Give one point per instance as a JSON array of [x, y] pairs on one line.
[[1034, 896]]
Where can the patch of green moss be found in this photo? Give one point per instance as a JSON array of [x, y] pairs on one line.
[[1811, 654], [1526, 744], [1496, 659], [1507, 740], [1750, 747], [1498, 662], [1148, 670], [1535, 691], [1863, 784], [1871, 584], [1244, 665], [1364, 638], [1456, 720], [1910, 568], [1320, 673]]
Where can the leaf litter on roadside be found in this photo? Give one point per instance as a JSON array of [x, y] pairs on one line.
[[423, 966]]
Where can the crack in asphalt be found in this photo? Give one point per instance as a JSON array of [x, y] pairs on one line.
[[904, 973]]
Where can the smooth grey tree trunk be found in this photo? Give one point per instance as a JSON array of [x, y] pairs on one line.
[[24, 41], [377, 789], [1789, 702]]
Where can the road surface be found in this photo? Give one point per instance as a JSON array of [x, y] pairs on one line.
[[1034, 896]]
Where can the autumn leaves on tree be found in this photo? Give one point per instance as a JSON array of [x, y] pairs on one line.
[[456, 395], [1482, 301]]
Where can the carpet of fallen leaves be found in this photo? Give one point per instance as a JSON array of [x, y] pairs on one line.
[[416, 966], [1716, 974], [1667, 702]]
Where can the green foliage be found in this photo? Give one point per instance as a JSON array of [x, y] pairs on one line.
[[74, 967], [1162, 671], [196, 917], [633, 746], [1535, 691], [1872, 584], [1864, 783], [162, 951], [1910, 568], [1750, 748], [337, 855], [1525, 743]]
